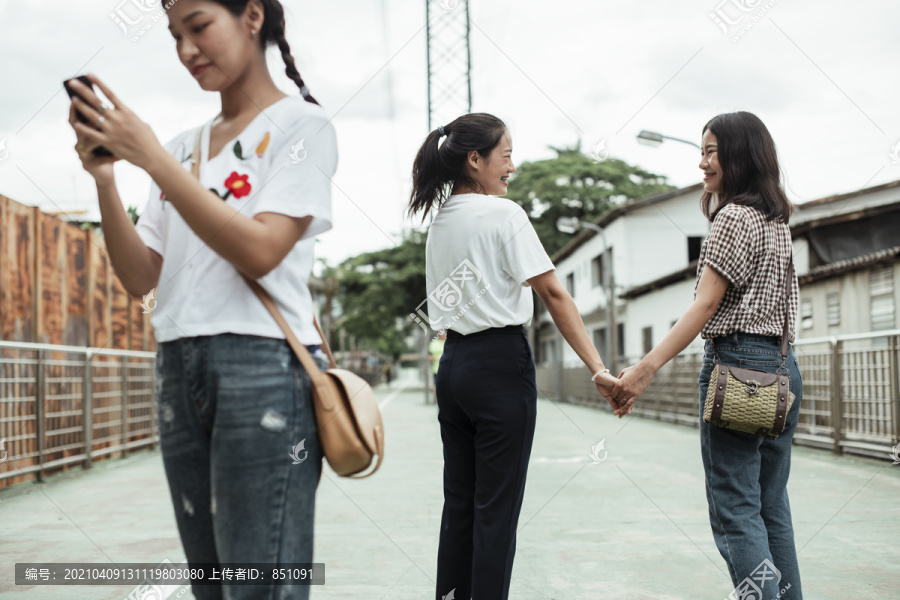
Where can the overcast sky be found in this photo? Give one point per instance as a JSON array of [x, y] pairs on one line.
[[821, 75]]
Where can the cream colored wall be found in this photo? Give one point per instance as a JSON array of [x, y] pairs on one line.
[[853, 288]]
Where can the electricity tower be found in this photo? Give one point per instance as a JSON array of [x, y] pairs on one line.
[[449, 60]]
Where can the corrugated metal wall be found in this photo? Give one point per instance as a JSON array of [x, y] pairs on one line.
[[57, 285]]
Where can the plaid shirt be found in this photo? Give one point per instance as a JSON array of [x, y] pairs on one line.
[[753, 254]]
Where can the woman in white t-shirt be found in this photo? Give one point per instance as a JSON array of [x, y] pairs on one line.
[[482, 259], [237, 428]]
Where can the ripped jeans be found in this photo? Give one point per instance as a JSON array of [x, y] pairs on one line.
[[232, 409]]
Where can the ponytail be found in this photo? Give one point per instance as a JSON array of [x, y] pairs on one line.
[[438, 167], [429, 179]]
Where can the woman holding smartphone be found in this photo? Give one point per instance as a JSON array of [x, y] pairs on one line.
[[233, 398], [482, 259], [741, 298]]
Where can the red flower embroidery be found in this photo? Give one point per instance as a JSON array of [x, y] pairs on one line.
[[237, 185]]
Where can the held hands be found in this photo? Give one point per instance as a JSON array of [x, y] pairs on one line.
[[622, 392], [114, 127], [606, 385], [633, 381]]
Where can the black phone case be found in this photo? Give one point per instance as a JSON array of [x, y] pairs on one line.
[[99, 150]]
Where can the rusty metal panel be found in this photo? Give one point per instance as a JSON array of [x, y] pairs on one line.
[[149, 338], [75, 326], [57, 285], [101, 325], [119, 307], [50, 269], [17, 255], [137, 329]]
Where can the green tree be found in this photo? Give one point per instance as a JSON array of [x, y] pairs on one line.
[[576, 185], [375, 288]]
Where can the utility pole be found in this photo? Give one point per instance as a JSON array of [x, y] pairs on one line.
[[449, 61], [571, 225], [449, 67]]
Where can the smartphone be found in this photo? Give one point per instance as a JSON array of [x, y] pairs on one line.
[[99, 150]]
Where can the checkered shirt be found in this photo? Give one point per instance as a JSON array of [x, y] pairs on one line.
[[753, 254]]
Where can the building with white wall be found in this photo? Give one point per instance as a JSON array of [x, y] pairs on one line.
[[847, 259], [649, 239], [654, 307]]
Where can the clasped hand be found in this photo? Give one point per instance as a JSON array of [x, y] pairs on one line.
[[622, 392]]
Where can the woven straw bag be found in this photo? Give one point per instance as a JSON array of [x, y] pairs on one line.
[[749, 400]]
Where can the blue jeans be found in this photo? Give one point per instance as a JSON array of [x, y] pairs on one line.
[[231, 409], [746, 476]]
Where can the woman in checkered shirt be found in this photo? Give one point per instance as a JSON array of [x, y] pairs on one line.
[[739, 305]]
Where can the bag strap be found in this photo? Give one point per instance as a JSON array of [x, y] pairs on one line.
[[785, 332], [195, 155], [325, 345], [315, 373]]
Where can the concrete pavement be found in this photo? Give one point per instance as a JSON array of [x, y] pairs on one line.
[[630, 525]]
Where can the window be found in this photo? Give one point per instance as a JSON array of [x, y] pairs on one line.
[[694, 244], [570, 284], [834, 309], [600, 341], [548, 352], [598, 276], [597, 271], [647, 335], [881, 291], [806, 315], [620, 341]]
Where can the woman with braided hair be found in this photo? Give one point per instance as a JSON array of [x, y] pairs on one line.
[[236, 423]]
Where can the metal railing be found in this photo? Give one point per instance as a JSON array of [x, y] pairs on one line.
[[63, 405], [851, 391]]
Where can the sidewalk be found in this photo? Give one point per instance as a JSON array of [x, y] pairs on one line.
[[632, 527]]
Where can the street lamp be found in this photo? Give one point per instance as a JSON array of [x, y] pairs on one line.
[[572, 225], [651, 138]]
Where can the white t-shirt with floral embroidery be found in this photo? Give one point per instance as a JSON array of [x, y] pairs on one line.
[[282, 162]]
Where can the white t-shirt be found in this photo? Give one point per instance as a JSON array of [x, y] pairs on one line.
[[281, 162], [480, 252]]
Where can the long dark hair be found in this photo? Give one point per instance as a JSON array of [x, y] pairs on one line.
[[272, 33], [750, 172], [439, 166]]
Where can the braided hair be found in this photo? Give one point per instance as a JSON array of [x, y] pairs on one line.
[[272, 33]]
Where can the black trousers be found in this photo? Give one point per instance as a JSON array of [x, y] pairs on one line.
[[487, 404]]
